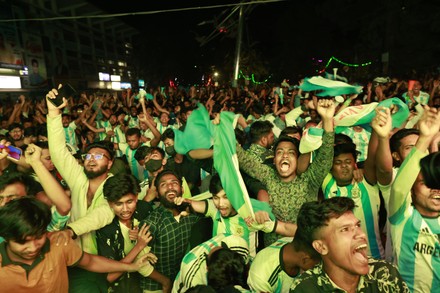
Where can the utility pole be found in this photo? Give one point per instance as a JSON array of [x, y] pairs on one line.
[[238, 47]]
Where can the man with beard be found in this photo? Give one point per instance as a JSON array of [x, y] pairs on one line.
[[331, 228], [86, 184], [170, 230], [16, 135]]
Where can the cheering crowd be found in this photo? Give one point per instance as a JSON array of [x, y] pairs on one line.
[[314, 187]]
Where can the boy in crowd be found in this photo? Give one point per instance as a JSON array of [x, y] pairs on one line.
[[30, 259], [331, 228]]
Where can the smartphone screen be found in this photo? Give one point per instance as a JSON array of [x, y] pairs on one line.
[[65, 91], [13, 152]]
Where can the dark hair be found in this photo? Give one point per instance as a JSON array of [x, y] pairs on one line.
[[17, 177], [395, 140], [342, 138], [283, 138], [42, 129], [163, 173], [133, 131], [300, 245], [314, 215], [15, 125], [156, 148], [42, 144], [259, 129], [30, 131], [141, 152], [103, 144], [168, 133], [430, 167], [345, 148], [66, 115], [290, 130], [225, 268], [240, 136], [215, 184], [120, 185], [23, 217]]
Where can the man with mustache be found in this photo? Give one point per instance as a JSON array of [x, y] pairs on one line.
[[90, 210], [170, 230], [332, 229]]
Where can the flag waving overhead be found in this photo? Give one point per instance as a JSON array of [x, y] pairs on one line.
[[200, 133], [328, 87], [355, 115], [226, 163], [197, 134]]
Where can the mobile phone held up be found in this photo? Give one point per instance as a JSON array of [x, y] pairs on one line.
[[13, 152], [65, 91]]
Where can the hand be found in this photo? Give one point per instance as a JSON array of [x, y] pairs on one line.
[[62, 237], [436, 83], [358, 175], [326, 109], [369, 87], [429, 123], [133, 233], [4, 144], [110, 133], [166, 286], [52, 95], [22, 99], [179, 200], [261, 217], [152, 258], [142, 118], [33, 154], [216, 120], [382, 122], [144, 236]]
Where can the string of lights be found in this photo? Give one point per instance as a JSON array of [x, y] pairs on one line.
[[252, 78], [347, 64]]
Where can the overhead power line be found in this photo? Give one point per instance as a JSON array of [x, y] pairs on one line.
[[139, 13]]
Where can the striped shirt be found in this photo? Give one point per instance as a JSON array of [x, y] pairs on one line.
[[193, 269], [136, 170], [70, 135], [267, 273], [367, 201], [234, 225], [415, 238]]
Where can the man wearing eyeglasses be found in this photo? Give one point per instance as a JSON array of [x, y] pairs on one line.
[[90, 210]]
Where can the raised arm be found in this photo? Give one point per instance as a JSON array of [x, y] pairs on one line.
[[382, 125], [52, 188], [429, 126]]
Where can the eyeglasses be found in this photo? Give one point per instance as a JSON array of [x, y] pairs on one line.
[[95, 156]]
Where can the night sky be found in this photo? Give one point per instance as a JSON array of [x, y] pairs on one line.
[[281, 39]]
